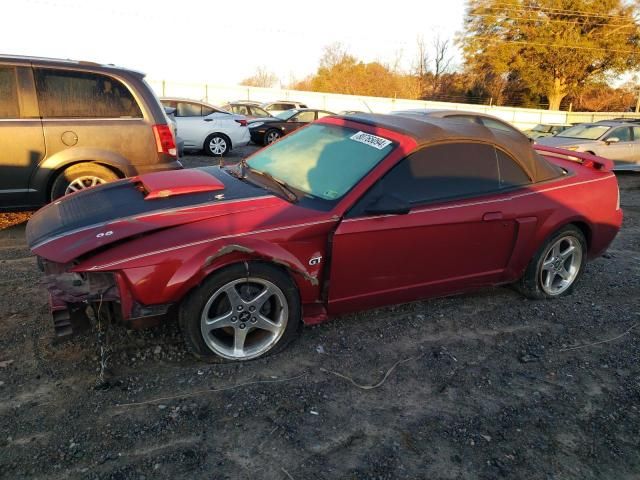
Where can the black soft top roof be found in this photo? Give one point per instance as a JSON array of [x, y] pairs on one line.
[[427, 130]]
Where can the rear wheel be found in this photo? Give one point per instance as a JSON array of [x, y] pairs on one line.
[[239, 314], [556, 266], [79, 177], [217, 145]]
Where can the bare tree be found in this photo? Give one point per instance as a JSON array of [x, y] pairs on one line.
[[441, 62], [430, 69], [262, 78]]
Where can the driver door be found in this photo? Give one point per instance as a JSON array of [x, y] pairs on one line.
[[457, 234]]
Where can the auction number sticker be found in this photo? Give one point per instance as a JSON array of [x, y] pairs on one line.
[[371, 140]]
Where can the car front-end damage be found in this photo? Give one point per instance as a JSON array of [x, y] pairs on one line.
[[74, 293]]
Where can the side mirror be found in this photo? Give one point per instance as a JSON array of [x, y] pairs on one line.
[[388, 205], [611, 140]]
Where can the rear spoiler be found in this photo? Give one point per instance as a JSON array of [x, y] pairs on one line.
[[586, 159]]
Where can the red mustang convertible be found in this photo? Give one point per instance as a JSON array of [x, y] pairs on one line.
[[349, 213]]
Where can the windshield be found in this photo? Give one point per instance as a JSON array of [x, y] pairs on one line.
[[286, 115], [586, 132], [324, 161]]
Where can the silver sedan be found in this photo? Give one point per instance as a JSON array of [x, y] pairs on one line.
[[616, 141]]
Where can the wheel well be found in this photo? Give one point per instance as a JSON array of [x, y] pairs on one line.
[[58, 171], [226, 137], [590, 152], [586, 231]]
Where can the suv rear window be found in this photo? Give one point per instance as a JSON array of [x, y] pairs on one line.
[[8, 93], [68, 94]]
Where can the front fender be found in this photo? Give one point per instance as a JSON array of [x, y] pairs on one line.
[[172, 280]]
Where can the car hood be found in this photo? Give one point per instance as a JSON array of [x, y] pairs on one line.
[[97, 217], [564, 141]]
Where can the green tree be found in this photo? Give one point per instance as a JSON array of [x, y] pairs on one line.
[[553, 47]]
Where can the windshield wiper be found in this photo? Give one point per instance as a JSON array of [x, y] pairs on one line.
[[282, 186]]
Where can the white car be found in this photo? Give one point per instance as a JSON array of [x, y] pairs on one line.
[[280, 106], [205, 127]]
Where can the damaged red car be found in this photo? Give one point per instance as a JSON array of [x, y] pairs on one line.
[[349, 213]]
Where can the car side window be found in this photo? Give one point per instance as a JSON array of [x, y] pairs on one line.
[[259, 112], [623, 133], [69, 94], [305, 117], [438, 173], [636, 134], [241, 110], [8, 93], [187, 109]]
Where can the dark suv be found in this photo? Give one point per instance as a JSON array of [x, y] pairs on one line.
[[67, 125]]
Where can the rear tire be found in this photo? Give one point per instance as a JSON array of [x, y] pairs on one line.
[[217, 145], [80, 176], [240, 314], [556, 266]]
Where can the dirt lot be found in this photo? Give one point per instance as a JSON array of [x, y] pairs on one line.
[[488, 385]]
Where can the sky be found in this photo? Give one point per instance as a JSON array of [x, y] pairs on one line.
[[222, 42]]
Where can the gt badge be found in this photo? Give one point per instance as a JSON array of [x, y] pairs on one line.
[[315, 260], [104, 234]]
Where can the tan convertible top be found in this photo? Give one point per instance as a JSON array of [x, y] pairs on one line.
[[427, 130]]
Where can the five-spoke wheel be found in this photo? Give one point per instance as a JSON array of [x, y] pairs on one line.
[[556, 266], [240, 316]]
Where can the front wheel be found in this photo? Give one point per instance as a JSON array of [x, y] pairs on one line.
[[556, 266], [271, 136], [239, 314]]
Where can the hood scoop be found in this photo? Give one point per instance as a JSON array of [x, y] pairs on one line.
[[178, 182]]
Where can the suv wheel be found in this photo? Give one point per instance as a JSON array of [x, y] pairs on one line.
[[80, 176]]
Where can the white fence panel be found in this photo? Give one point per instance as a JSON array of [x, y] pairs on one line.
[[220, 94]]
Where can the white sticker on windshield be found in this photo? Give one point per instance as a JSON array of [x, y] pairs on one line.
[[371, 140]]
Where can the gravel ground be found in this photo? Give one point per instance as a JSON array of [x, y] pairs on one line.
[[488, 385]]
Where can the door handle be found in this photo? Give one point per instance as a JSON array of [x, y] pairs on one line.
[[489, 216]]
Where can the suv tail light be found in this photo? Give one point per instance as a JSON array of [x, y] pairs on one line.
[[243, 123], [165, 141]]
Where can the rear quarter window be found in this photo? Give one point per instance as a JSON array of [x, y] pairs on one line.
[[69, 94], [8, 93]]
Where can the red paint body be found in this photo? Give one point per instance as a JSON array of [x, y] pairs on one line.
[[441, 249]]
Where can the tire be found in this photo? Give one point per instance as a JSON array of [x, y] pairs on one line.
[[271, 136], [237, 334], [217, 145], [553, 272], [80, 176]]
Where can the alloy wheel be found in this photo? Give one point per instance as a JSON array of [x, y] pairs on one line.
[[561, 265], [272, 137], [83, 182], [244, 318]]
